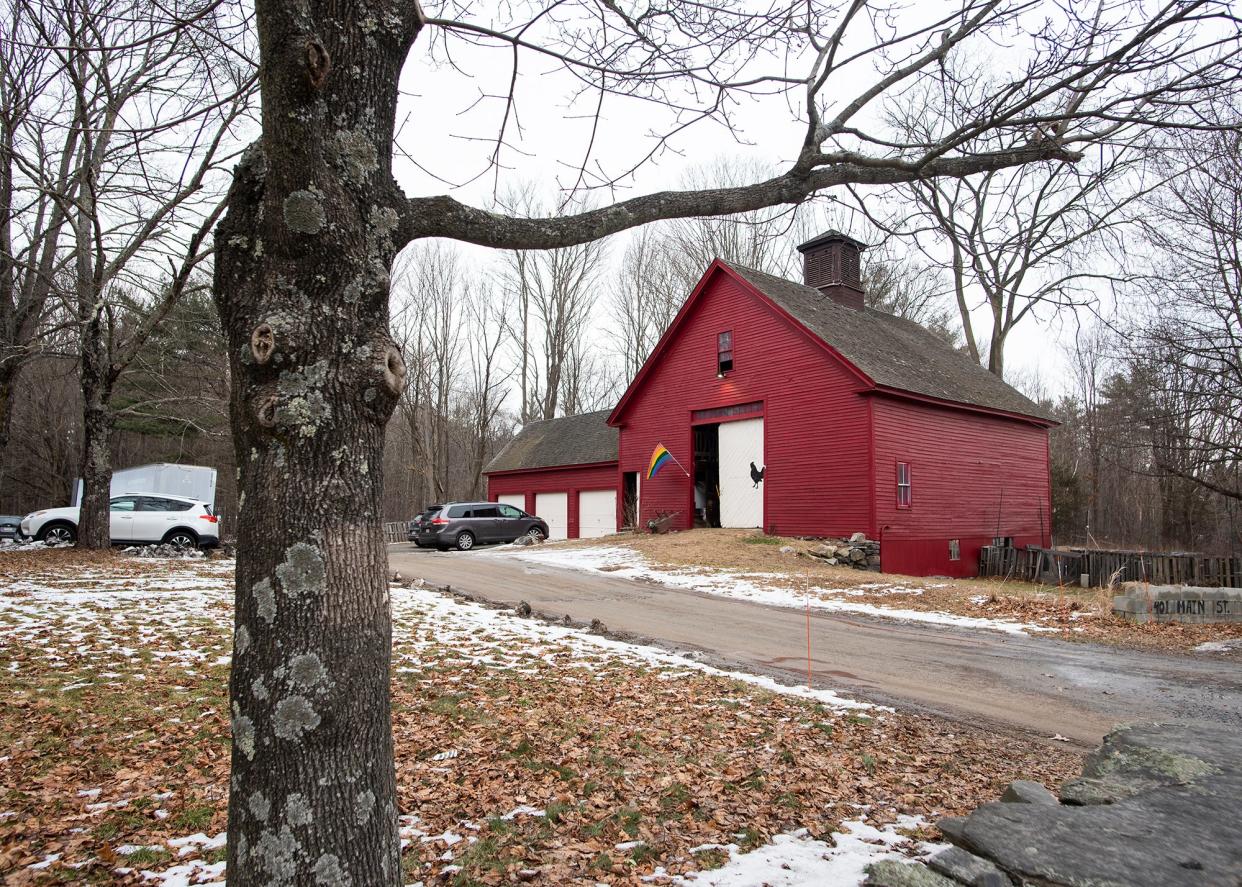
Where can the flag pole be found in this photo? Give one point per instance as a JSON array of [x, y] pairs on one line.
[[679, 465]]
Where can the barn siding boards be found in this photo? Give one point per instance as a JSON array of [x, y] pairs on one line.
[[843, 394], [570, 479], [973, 477], [816, 431]]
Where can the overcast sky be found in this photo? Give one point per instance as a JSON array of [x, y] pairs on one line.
[[448, 122]]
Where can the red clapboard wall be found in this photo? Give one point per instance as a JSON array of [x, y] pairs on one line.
[[816, 426], [571, 479], [973, 476]]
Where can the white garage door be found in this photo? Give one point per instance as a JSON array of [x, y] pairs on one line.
[[517, 500], [597, 513], [741, 484], [554, 508]]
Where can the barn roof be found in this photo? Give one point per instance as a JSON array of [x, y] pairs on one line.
[[573, 440], [894, 352]]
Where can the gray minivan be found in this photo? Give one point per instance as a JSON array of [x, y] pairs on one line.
[[462, 525]]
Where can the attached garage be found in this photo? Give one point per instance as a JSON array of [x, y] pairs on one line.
[[597, 513], [794, 408], [563, 470]]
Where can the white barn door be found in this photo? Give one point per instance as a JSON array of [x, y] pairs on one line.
[[517, 500], [741, 461], [597, 513], [554, 508]]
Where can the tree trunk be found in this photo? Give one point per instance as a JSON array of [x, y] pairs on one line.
[[95, 469], [8, 394], [302, 288], [996, 350]]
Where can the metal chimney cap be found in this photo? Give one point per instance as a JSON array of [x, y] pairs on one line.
[[830, 236]]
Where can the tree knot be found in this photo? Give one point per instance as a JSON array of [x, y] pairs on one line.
[[318, 63]]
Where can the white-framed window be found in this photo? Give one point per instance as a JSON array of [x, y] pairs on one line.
[[904, 492], [955, 550]]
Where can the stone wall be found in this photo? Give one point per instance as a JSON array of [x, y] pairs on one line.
[[1139, 602]]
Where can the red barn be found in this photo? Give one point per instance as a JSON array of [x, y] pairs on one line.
[[792, 408]]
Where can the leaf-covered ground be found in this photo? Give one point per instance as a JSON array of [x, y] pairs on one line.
[[525, 752], [1069, 613]]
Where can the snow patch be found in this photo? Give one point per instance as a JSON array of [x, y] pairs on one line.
[[442, 620], [624, 563], [797, 859]]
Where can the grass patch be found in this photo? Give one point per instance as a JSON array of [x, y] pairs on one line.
[[763, 540], [146, 857]]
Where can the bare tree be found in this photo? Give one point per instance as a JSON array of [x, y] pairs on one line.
[[137, 193], [910, 288], [644, 297], [1020, 240], [315, 219], [1190, 333], [488, 379], [555, 292], [431, 323], [32, 222]]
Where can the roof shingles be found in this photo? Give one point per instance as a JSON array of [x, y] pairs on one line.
[[892, 351], [572, 440]]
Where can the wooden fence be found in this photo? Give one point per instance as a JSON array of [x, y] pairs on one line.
[[1064, 566], [396, 531]]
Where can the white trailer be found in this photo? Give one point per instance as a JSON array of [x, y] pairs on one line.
[[191, 481]]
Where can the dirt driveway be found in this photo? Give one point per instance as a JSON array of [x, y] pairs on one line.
[[1039, 686]]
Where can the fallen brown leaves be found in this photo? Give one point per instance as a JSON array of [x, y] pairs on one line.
[[615, 757], [518, 760]]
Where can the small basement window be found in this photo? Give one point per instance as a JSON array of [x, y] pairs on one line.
[[724, 352], [955, 550], [903, 485], [1002, 541]]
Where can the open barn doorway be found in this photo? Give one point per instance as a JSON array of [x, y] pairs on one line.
[[629, 500], [707, 475]]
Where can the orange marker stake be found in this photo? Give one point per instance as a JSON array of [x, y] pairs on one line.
[[806, 588]]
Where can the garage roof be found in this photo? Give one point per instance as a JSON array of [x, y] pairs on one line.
[[893, 352], [584, 439]]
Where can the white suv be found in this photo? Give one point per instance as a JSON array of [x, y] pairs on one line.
[[137, 518]]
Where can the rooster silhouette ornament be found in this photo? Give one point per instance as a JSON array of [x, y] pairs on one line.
[[756, 474]]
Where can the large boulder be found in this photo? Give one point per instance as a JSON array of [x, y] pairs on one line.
[[1157, 804]]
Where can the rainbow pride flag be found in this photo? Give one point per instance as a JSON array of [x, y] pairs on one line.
[[659, 458]]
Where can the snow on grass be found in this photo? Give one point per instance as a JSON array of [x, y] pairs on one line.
[[625, 563], [175, 615], [110, 625], [796, 859], [501, 639], [1219, 646]]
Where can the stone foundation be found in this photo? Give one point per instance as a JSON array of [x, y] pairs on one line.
[[1178, 603], [857, 551]]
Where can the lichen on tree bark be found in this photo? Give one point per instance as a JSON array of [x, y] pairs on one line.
[[312, 377]]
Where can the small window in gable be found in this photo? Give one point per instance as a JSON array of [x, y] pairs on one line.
[[903, 485], [724, 352]]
